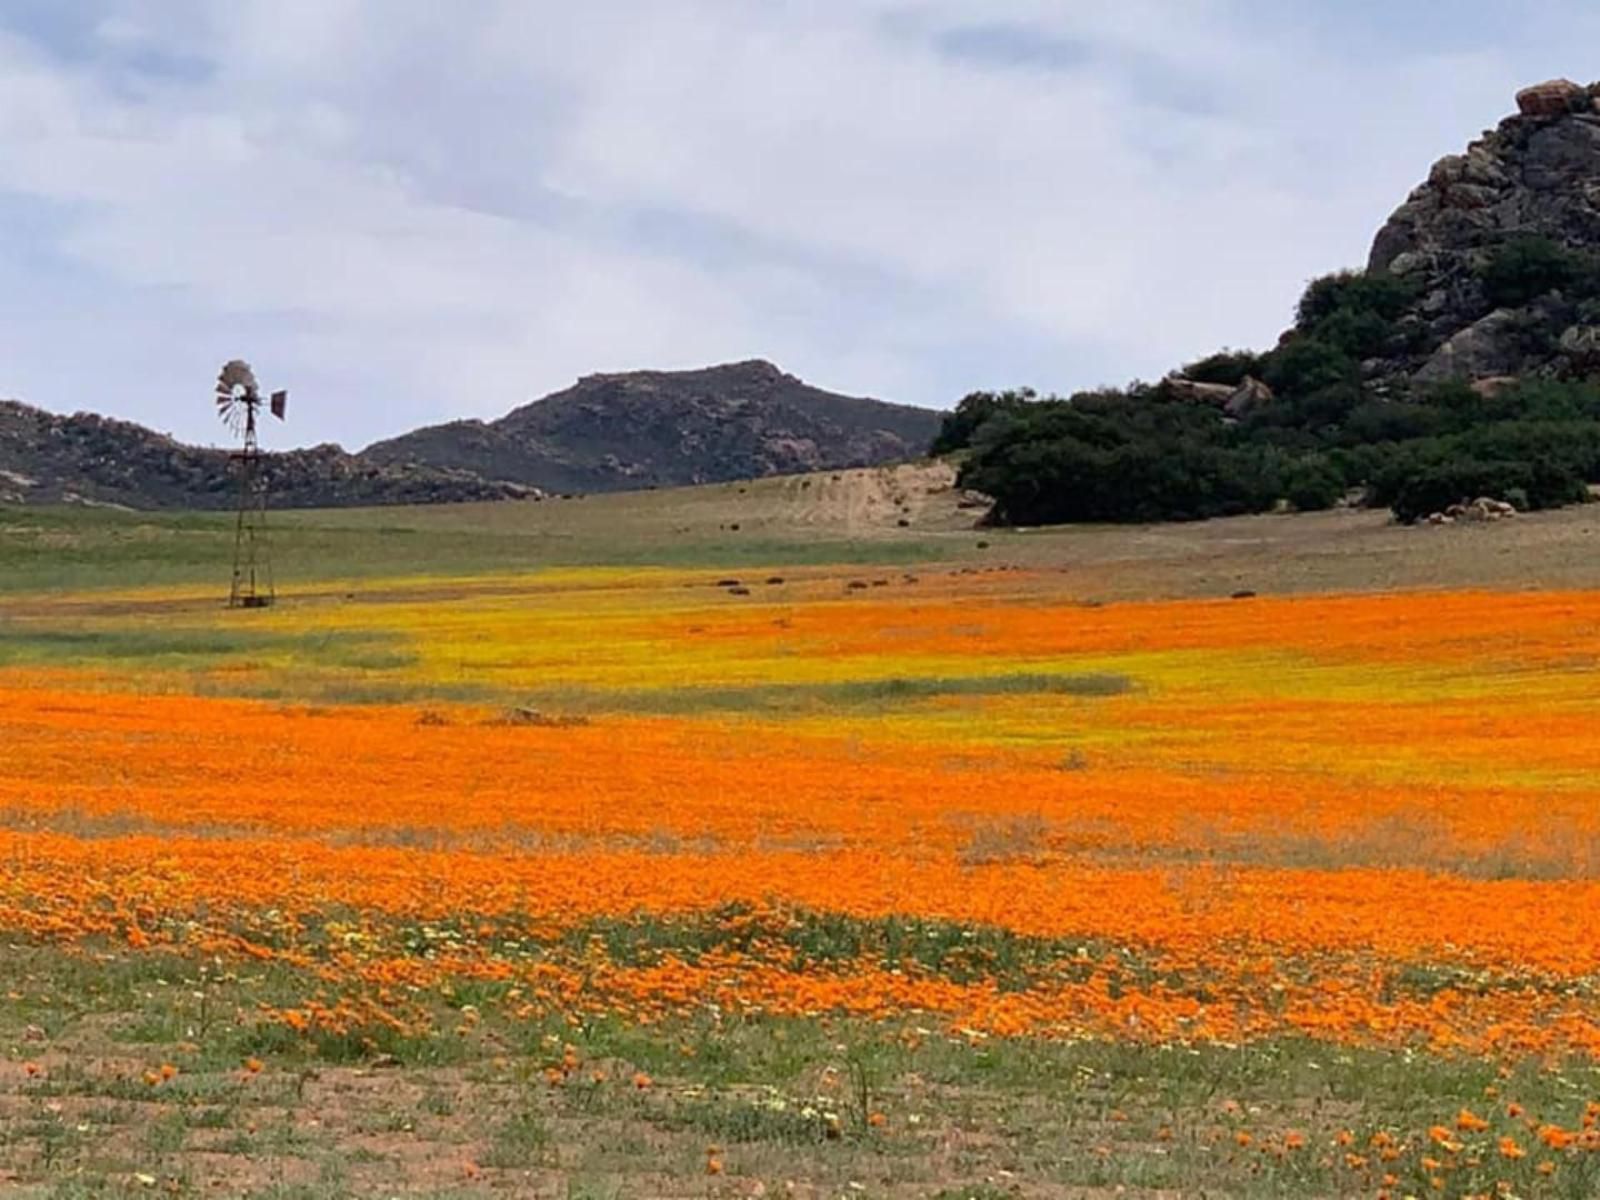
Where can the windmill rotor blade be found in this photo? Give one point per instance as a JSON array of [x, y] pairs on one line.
[[280, 404], [237, 377]]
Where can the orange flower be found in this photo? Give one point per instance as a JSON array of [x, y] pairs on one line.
[[642, 1081], [1555, 1137], [1444, 1137], [1510, 1149], [1469, 1122]]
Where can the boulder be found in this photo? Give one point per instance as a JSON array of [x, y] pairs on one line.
[[1486, 348], [1247, 397], [1553, 98], [1580, 345], [1193, 391]]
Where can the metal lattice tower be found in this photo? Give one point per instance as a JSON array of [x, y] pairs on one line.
[[239, 404]]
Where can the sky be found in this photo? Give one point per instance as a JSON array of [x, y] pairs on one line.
[[408, 212]]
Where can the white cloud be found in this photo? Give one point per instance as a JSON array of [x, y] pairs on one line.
[[411, 212]]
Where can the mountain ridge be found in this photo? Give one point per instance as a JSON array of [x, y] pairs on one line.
[[607, 432], [616, 431]]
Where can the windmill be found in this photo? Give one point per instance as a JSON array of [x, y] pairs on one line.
[[239, 404]]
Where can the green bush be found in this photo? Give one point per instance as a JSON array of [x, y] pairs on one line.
[[1352, 293], [1139, 455], [962, 424], [1460, 480], [1527, 267], [1230, 367], [1307, 364], [1313, 484]]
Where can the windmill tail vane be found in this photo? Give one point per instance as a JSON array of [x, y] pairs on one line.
[[239, 402]]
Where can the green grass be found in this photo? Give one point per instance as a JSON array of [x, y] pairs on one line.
[[51, 549], [851, 695], [178, 647]]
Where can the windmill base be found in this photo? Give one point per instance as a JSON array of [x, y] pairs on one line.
[[253, 602]]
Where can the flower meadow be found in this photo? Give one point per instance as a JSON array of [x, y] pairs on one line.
[[952, 806]]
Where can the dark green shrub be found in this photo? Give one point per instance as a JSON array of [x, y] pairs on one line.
[[960, 425], [1313, 484], [1354, 293], [1390, 421], [1307, 364], [1437, 486], [1230, 367], [1527, 267]]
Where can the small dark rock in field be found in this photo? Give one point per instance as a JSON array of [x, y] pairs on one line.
[[775, 581], [728, 583], [983, 545], [857, 585], [903, 523], [1243, 594], [880, 583], [742, 491], [533, 717], [734, 527], [738, 591]]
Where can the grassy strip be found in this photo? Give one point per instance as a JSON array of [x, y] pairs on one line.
[[827, 697], [48, 549], [176, 647]]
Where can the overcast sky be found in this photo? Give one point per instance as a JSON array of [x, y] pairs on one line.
[[410, 211]]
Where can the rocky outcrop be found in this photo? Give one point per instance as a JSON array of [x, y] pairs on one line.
[[1534, 177], [1483, 349], [88, 459], [669, 428], [1235, 400], [1553, 98], [1193, 391], [1250, 396]]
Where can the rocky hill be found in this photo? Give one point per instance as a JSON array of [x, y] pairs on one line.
[[1497, 248], [1456, 378], [48, 459], [668, 428], [607, 433]]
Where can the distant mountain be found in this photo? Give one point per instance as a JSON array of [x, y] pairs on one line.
[[607, 433], [49, 459], [668, 428]]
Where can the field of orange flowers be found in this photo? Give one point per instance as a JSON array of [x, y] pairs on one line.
[[969, 801]]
